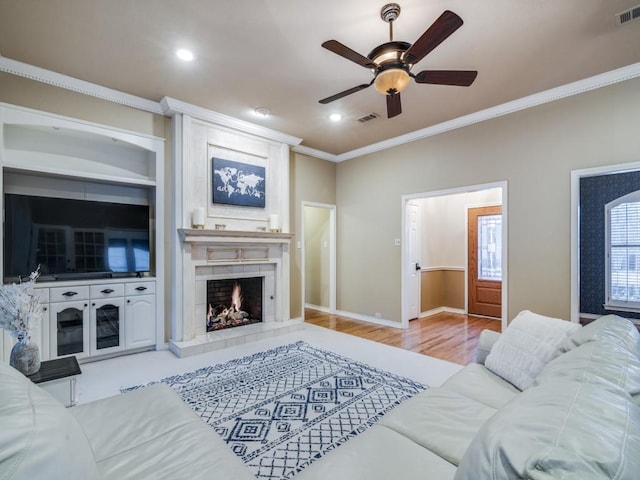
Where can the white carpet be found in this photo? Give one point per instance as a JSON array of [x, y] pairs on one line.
[[107, 377], [281, 409]]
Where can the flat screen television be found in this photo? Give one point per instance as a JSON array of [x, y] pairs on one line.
[[72, 239]]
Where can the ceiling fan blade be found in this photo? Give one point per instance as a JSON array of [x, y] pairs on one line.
[[438, 32], [394, 106], [345, 93], [460, 78], [344, 51]]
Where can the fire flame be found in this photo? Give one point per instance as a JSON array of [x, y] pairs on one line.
[[236, 298]]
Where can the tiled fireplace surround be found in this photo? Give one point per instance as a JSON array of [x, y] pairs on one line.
[[215, 255]]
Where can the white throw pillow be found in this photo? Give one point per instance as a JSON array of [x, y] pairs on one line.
[[527, 345]]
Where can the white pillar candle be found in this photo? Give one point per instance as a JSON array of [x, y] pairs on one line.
[[197, 218], [274, 221]]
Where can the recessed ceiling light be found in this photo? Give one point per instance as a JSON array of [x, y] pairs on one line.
[[263, 112], [335, 117], [184, 54]]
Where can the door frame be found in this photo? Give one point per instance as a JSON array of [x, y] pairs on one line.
[[332, 255], [505, 237], [467, 272]]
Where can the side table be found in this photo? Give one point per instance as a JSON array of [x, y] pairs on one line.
[[58, 377]]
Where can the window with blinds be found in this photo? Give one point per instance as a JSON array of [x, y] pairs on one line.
[[623, 252]]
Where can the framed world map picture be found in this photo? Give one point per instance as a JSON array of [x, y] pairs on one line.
[[237, 183]]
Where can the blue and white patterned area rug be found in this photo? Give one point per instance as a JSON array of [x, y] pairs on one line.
[[282, 409]]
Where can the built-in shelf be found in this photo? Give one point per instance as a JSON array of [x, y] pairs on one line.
[[48, 155]]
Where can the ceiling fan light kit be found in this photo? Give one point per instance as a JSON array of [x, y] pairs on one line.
[[391, 62], [391, 81]]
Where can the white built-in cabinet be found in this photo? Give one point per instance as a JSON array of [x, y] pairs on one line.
[[42, 152], [101, 319]]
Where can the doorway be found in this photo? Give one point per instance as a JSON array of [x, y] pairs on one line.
[[444, 249], [318, 244]]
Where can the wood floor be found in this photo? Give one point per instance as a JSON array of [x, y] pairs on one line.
[[448, 336]]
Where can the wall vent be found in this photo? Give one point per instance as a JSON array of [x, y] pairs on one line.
[[366, 118], [628, 15]]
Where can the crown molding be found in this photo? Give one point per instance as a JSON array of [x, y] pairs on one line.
[[76, 85], [312, 152], [171, 106], [570, 89]]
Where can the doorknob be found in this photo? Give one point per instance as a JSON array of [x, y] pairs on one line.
[[418, 267]]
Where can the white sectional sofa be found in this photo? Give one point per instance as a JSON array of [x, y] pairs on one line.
[[144, 434], [577, 418]]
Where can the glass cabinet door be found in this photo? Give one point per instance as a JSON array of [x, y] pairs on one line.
[[69, 332], [107, 328]]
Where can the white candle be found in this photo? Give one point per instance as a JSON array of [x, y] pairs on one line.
[[197, 218], [274, 221]]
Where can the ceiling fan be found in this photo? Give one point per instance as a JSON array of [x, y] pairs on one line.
[[391, 62]]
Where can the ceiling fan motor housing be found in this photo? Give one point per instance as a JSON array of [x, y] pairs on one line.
[[391, 74]]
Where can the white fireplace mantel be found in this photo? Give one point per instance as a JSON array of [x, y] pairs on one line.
[[193, 235], [215, 254]]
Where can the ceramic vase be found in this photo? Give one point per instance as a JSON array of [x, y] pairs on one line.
[[25, 356]]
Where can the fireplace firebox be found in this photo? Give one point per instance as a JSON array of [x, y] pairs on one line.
[[233, 302]]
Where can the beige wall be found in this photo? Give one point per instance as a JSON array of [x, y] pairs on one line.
[[441, 288], [312, 180], [533, 150]]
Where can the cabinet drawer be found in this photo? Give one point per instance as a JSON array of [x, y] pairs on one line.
[[140, 288], [67, 294], [107, 290]]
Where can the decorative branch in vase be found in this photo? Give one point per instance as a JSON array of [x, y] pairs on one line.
[[20, 312]]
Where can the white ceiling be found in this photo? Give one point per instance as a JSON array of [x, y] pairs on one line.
[[267, 53]]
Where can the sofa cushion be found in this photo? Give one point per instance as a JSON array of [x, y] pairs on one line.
[[151, 433], [605, 363], [39, 438], [440, 420], [558, 429], [378, 454], [478, 383], [528, 343], [609, 328]]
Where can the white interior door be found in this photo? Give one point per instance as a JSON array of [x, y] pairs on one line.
[[413, 268]]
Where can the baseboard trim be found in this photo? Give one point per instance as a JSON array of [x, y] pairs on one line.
[[318, 308], [446, 269], [435, 311], [369, 319]]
